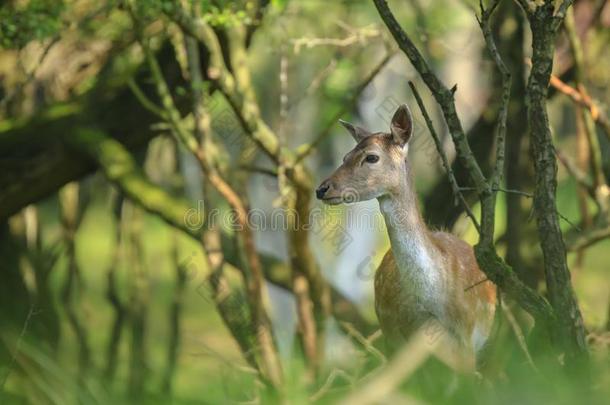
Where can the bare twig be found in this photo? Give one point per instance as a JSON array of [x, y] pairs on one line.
[[519, 334], [71, 209], [315, 83], [457, 193], [502, 190], [366, 343], [145, 101], [357, 36], [512, 191], [476, 284], [589, 126], [207, 350], [500, 130], [488, 203], [398, 370], [29, 76], [24, 330], [572, 224], [588, 238], [584, 101], [332, 376], [561, 11], [258, 169], [581, 177], [237, 88], [305, 150]]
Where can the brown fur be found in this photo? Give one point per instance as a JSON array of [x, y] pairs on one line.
[[463, 274]]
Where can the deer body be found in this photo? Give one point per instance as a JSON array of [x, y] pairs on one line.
[[426, 275], [429, 276]]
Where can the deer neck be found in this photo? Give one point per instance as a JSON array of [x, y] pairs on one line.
[[412, 247]]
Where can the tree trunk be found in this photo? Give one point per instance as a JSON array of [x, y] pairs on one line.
[[570, 328]]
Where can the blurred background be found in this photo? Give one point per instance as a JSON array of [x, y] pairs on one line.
[[128, 149]]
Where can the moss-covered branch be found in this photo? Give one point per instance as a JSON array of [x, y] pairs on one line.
[[121, 169]]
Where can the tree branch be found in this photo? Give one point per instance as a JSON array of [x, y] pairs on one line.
[[577, 97], [443, 96], [457, 192], [305, 150], [492, 265], [242, 104], [569, 327], [121, 170]]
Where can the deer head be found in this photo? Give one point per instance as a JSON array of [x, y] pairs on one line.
[[375, 167]]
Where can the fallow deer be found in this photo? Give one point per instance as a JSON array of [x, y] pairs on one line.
[[426, 275]]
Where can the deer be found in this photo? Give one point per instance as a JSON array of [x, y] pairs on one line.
[[426, 275]]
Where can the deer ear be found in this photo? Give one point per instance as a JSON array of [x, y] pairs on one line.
[[357, 132], [402, 125]]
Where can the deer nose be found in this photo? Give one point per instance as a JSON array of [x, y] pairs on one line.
[[322, 190]]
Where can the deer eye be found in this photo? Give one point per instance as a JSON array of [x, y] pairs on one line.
[[371, 158]]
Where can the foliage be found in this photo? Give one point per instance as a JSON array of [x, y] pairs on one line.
[[36, 20]]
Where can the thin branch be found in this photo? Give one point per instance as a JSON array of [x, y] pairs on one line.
[[581, 177], [567, 220], [398, 370], [241, 99], [258, 169], [253, 272], [584, 101], [207, 350], [512, 191], [174, 117], [588, 238], [562, 11], [500, 130], [519, 335], [29, 75], [237, 88], [476, 284], [332, 376], [315, 84], [305, 150], [488, 201], [502, 190], [145, 101], [366, 343], [457, 194], [357, 36], [443, 95], [24, 330], [589, 126]]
